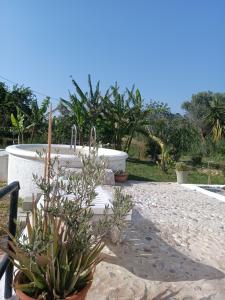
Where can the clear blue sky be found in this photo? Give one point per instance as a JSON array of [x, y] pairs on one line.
[[169, 49]]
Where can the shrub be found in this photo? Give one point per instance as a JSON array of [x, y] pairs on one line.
[[196, 159], [181, 166], [58, 254], [153, 150], [222, 168]]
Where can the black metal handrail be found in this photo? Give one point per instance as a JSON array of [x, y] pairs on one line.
[[6, 265]]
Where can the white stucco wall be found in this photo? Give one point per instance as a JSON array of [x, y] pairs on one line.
[[23, 162], [22, 169], [3, 165]]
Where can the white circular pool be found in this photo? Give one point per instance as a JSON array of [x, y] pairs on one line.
[[24, 161]]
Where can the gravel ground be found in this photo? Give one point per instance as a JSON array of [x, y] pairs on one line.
[[173, 249], [176, 241]]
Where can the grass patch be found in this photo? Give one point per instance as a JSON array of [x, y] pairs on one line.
[[145, 171], [4, 210]]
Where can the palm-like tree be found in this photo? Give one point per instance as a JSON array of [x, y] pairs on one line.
[[94, 103], [18, 126], [37, 117], [78, 114], [116, 115], [216, 118], [86, 109], [138, 116], [76, 109]]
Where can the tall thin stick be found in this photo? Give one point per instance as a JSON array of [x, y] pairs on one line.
[[49, 142], [46, 163]]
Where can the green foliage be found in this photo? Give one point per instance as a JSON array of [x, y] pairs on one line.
[[207, 111], [144, 171], [169, 133], [20, 114], [58, 255], [18, 124], [165, 158], [222, 168], [117, 116], [61, 129], [216, 116], [153, 150], [11, 100], [196, 159], [37, 118], [122, 204], [83, 109], [138, 116], [181, 166], [116, 113]]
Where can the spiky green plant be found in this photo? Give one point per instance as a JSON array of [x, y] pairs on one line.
[[58, 253]]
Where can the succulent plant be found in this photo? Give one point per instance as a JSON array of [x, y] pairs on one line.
[[57, 255]]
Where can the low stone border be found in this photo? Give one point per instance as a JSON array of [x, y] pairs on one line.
[[198, 188]]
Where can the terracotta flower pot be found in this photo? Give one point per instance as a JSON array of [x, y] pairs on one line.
[[79, 296], [121, 178]]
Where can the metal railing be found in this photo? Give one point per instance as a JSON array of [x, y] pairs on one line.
[[6, 265]]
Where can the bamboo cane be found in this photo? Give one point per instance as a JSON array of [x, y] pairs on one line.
[[49, 142]]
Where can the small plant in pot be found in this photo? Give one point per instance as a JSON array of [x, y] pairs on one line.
[[57, 253], [120, 176], [182, 172]]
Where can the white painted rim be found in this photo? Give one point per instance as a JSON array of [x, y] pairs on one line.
[[199, 188], [29, 151]]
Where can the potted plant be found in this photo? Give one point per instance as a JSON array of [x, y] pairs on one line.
[[57, 253], [182, 172], [120, 176]]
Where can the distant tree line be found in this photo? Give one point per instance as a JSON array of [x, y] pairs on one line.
[[119, 117]]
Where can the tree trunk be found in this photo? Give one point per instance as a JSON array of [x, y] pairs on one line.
[[81, 138], [129, 141], [32, 135]]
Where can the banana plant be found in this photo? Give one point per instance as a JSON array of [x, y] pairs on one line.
[[37, 116], [76, 109], [116, 115], [138, 116], [85, 109], [18, 124]]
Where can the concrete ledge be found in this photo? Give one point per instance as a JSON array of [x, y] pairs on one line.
[[102, 199], [199, 188], [109, 175]]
